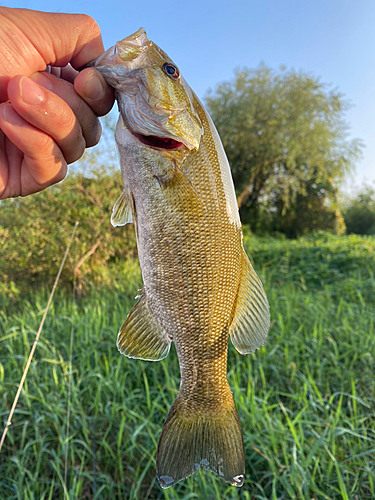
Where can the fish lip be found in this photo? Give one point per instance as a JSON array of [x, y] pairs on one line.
[[110, 56]]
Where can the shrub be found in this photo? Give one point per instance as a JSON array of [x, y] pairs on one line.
[[35, 230], [359, 214]]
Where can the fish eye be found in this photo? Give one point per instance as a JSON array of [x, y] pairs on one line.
[[171, 70]]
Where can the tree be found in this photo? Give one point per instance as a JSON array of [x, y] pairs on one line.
[[286, 141], [359, 213]]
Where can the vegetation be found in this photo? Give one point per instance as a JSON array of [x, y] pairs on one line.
[[285, 137], [359, 213], [35, 230], [306, 400]]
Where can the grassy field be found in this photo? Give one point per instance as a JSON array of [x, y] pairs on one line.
[[306, 400]]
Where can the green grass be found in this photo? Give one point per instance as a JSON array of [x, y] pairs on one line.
[[306, 400]]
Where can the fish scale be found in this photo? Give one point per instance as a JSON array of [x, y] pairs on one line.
[[199, 286]]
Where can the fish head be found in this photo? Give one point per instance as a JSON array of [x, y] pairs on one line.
[[154, 100]]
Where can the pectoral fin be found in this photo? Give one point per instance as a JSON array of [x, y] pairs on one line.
[[251, 319], [122, 210], [140, 336], [180, 192]]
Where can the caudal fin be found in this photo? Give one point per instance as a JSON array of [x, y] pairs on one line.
[[188, 444]]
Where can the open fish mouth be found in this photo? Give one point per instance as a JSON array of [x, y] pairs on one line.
[[158, 142], [150, 124]]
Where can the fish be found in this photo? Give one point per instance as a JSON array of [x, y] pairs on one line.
[[199, 287]]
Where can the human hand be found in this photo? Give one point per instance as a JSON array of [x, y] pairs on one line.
[[51, 118]]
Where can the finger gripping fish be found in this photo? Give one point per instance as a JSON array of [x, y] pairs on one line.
[[199, 286]]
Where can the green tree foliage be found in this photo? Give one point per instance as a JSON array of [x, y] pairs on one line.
[[285, 137], [359, 214], [35, 230], [308, 213]]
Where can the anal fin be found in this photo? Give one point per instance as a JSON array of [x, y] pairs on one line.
[[251, 319], [140, 336]]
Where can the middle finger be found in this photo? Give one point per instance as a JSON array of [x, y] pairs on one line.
[[49, 113], [91, 128]]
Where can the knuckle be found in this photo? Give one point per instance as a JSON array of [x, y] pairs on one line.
[[43, 144], [68, 122], [90, 124], [61, 174], [74, 153], [91, 24], [94, 135], [80, 110]]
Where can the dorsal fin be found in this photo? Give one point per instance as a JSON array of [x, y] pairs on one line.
[[251, 319]]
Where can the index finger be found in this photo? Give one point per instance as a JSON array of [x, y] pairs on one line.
[[33, 40]]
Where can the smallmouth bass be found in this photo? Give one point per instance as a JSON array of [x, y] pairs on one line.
[[199, 286]]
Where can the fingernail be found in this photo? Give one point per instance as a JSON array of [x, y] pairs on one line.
[[93, 88], [11, 116], [31, 93]]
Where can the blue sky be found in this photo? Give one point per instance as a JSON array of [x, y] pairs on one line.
[[332, 39]]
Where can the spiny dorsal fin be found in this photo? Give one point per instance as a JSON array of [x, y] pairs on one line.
[[122, 211], [140, 336], [251, 319]]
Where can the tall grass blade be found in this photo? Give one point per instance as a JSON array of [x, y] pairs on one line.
[[9, 421]]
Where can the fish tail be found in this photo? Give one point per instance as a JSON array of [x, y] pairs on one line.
[[189, 443]]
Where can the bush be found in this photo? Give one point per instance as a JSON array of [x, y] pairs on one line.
[[35, 230], [359, 214]]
